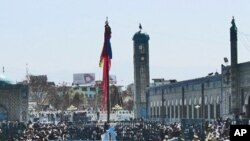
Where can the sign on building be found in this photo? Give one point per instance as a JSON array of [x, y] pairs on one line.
[[84, 78]]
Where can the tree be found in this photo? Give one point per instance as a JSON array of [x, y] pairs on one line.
[[77, 100], [65, 101], [115, 97], [128, 102], [54, 98], [40, 89]]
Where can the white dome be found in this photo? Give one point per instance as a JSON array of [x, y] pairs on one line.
[[4, 79]]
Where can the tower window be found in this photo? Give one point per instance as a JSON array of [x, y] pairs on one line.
[[141, 48]]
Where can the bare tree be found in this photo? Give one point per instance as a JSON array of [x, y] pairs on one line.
[[39, 89]]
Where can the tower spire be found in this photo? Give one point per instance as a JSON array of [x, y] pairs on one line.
[[233, 31], [3, 70], [233, 40], [107, 21], [140, 27], [236, 102]]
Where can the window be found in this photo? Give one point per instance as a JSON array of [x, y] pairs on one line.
[[172, 111], [84, 89], [217, 110], [151, 111], [206, 111], [176, 111], [168, 115], [184, 111], [181, 116], [195, 113], [141, 48], [211, 111], [190, 111], [92, 89]]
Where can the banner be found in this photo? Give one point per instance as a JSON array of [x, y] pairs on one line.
[[83, 78]]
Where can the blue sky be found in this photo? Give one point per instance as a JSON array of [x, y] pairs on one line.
[[188, 39]]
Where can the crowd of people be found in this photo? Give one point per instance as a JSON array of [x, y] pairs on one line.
[[137, 130]]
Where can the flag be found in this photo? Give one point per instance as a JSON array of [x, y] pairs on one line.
[[105, 62]]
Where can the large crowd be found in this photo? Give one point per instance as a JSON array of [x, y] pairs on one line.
[[134, 130]]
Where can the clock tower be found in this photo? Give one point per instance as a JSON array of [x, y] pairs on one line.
[[141, 72]]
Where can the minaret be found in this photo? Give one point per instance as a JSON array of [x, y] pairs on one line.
[[141, 71], [236, 106]]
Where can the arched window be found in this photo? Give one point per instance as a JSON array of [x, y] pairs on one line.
[[211, 108]]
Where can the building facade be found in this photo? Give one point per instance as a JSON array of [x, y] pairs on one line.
[[13, 102], [141, 72], [210, 97]]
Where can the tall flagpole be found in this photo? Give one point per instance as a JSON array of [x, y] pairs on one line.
[[107, 77], [105, 59], [108, 102]]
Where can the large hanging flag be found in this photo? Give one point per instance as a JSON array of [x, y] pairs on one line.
[[105, 62]]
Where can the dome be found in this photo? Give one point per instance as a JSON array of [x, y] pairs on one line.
[[4, 80], [140, 36]]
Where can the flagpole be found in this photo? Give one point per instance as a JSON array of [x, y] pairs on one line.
[[108, 102], [105, 59], [107, 77]]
